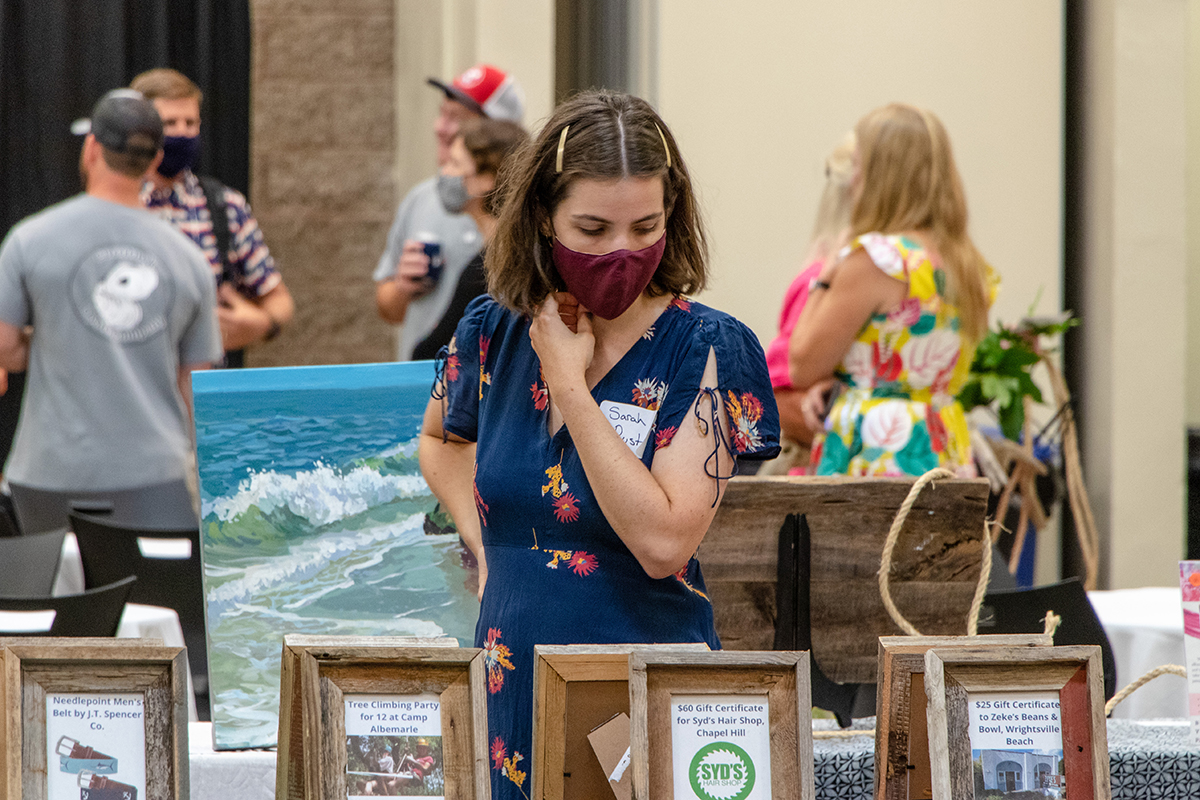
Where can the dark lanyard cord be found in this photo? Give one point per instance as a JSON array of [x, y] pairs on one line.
[[719, 435]]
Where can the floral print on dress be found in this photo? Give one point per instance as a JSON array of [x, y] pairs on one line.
[[506, 765], [452, 361], [745, 410], [541, 395], [583, 563], [680, 302], [663, 437], [898, 415], [556, 485], [496, 658], [649, 393], [480, 506], [566, 508], [580, 562], [484, 377], [681, 576]]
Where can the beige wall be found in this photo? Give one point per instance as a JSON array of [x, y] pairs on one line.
[[1193, 214], [1136, 65]]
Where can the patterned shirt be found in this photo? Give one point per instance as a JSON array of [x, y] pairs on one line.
[[183, 205]]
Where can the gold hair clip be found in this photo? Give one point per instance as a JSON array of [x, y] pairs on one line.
[[660, 135], [562, 142]]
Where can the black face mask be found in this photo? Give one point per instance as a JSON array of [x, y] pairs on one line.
[[179, 153]]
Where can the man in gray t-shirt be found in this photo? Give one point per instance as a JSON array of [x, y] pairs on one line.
[[122, 308], [405, 294]]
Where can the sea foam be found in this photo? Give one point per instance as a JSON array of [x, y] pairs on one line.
[[321, 495]]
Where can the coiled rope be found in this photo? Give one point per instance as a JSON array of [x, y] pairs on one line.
[[1165, 669]]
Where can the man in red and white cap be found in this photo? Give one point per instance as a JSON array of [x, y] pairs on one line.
[[406, 294]]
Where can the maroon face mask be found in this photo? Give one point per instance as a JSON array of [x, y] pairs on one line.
[[608, 284]]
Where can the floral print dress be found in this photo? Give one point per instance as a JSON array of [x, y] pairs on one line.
[[897, 413], [557, 572]]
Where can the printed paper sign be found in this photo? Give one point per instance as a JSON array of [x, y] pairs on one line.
[[632, 423], [1189, 582], [394, 746], [1016, 743], [721, 747], [96, 746]]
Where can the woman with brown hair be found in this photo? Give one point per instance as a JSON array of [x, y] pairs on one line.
[[892, 323], [590, 412]]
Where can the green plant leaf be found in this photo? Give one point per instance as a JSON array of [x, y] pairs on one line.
[[1012, 420], [1000, 388]]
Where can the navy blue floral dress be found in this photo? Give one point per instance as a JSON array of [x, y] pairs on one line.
[[557, 572]]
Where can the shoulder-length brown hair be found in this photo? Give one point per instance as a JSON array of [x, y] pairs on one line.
[[610, 136], [910, 183]]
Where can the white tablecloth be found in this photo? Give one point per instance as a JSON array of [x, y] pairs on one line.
[[1145, 627], [137, 622], [230, 774]]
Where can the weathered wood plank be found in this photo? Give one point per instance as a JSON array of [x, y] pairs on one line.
[[10, 724]]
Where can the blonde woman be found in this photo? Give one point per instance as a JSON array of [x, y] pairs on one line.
[[829, 234], [891, 325]]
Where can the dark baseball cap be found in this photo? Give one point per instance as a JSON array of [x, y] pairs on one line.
[[124, 121]]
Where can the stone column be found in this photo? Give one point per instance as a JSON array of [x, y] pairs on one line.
[[322, 157]]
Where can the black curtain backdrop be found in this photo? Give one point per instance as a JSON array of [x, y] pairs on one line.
[[57, 57]]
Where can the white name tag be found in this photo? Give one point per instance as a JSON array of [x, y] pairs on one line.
[[632, 423]]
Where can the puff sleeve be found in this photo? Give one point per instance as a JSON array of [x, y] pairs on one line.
[[461, 365], [743, 385]]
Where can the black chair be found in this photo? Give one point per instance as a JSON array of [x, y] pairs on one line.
[[96, 612], [110, 552], [8, 517], [164, 505], [1024, 611], [29, 564]]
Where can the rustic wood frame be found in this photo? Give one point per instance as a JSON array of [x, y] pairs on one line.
[[10, 724], [33, 667], [1075, 672], [317, 671], [558, 668], [900, 715], [782, 676]]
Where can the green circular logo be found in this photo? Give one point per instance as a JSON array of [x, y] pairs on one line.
[[722, 771]]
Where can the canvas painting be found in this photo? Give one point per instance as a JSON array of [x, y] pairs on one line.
[[315, 519]]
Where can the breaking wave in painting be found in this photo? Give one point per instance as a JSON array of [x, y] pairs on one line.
[[314, 522]]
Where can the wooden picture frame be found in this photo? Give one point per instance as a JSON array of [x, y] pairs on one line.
[[782, 677], [576, 688], [33, 667], [318, 671], [10, 724], [1074, 672], [901, 735]]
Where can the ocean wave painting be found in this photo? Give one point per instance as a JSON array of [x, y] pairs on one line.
[[315, 519]]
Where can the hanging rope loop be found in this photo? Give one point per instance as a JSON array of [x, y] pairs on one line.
[[889, 544]]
